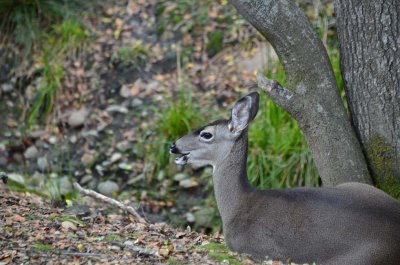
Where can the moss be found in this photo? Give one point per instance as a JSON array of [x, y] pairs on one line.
[[220, 253], [215, 43], [114, 237], [43, 247], [382, 159]]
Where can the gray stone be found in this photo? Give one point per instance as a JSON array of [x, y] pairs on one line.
[[31, 152], [78, 118], [108, 187], [43, 164], [190, 218], [7, 87], [125, 91], [188, 183], [204, 217], [136, 102], [117, 108], [180, 176], [115, 157]]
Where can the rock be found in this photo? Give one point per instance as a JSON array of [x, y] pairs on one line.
[[204, 217], [190, 217], [86, 179], [117, 108], [67, 225], [78, 118], [108, 187], [7, 87], [77, 210], [87, 159], [53, 140], [31, 152], [188, 183], [73, 139], [123, 146], [125, 166], [115, 157], [125, 91], [136, 102], [16, 177], [180, 176], [43, 164]]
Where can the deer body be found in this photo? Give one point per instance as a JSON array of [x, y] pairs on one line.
[[352, 223]]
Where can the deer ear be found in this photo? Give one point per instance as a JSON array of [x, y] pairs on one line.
[[243, 113]]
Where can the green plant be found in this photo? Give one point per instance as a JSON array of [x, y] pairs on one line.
[[26, 22], [130, 55], [176, 120], [43, 247], [278, 154]]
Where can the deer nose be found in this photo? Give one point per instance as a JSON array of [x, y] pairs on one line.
[[173, 149]]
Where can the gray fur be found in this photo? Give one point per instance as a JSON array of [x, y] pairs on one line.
[[352, 223]]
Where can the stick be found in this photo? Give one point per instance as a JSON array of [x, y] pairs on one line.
[[101, 197]]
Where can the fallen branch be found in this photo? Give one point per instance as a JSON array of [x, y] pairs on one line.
[[101, 197]]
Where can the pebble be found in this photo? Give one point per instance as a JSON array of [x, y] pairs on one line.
[[108, 187], [7, 87], [115, 157], [69, 225], [180, 176], [190, 218], [188, 183], [136, 102], [53, 140], [87, 159], [117, 108], [86, 179], [73, 139], [78, 118], [31, 152], [43, 164], [125, 91]]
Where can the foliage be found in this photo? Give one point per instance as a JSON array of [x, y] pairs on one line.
[[130, 55], [26, 22], [45, 31], [177, 119], [278, 154]]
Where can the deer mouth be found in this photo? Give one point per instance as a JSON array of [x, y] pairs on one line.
[[183, 159]]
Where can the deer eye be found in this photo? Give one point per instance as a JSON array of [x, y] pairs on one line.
[[206, 135]]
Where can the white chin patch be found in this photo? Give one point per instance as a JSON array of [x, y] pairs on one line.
[[182, 160]]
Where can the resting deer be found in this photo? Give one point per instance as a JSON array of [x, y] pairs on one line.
[[350, 224]]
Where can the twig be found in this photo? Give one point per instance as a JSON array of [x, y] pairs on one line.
[[101, 197]]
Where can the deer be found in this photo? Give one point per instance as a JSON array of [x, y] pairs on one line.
[[351, 223]]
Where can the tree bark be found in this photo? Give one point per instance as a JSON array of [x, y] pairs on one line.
[[312, 97], [369, 38]]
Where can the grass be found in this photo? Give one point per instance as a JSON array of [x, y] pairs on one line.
[[72, 219], [133, 54], [278, 154], [177, 119], [45, 32], [43, 247]]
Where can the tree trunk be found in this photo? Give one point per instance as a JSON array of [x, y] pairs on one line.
[[369, 37], [312, 98]]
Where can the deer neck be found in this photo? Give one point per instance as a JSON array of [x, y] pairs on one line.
[[231, 185]]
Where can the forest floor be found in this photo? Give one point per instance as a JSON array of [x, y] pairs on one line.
[[102, 129], [32, 231]]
